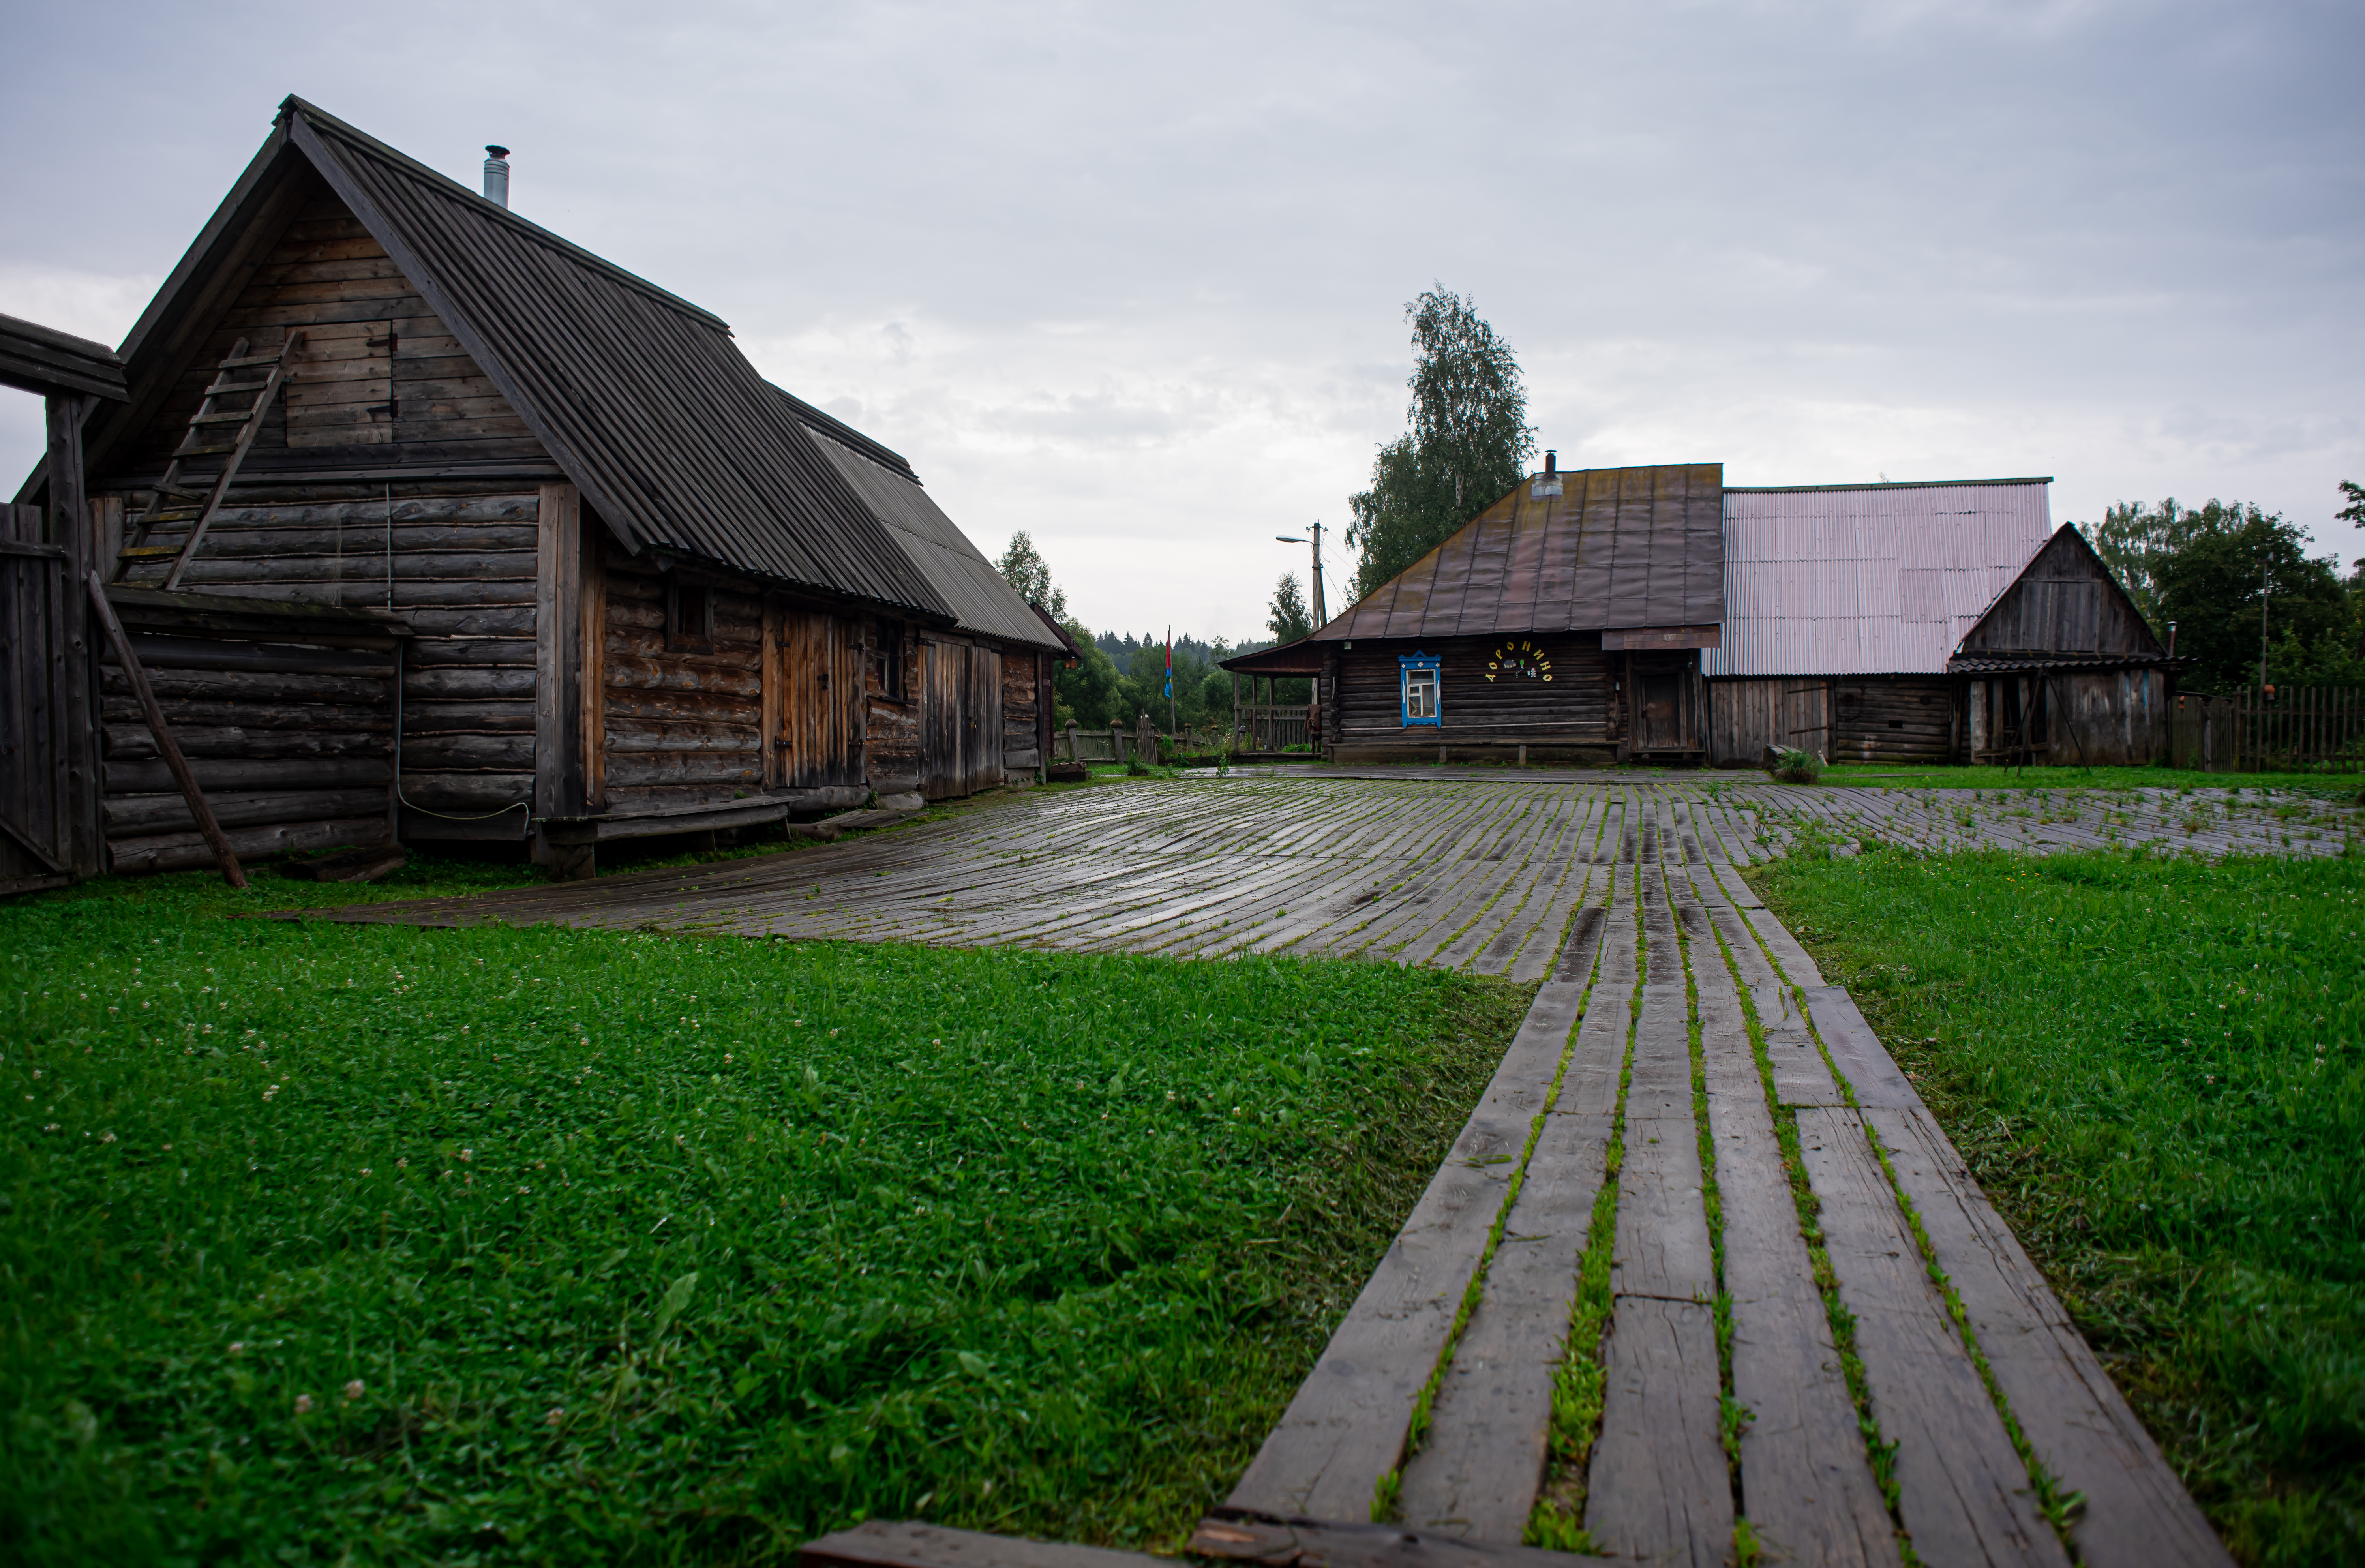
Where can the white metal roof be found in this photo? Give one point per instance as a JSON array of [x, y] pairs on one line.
[[1868, 579]]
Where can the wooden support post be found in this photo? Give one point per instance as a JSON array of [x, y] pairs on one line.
[[81, 836], [165, 743], [559, 780]]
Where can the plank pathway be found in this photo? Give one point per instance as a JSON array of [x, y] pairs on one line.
[[1678, 1023]]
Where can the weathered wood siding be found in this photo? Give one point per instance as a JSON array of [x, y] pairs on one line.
[[1022, 745], [2065, 602], [960, 718], [45, 742], [818, 659], [894, 746], [291, 743], [1897, 718], [460, 569], [1580, 705], [380, 377], [2072, 718], [683, 725], [1747, 715]]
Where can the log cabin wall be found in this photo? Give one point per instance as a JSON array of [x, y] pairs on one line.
[[681, 704], [1023, 689], [460, 570], [291, 741], [1898, 718], [895, 694], [380, 377], [1575, 715]]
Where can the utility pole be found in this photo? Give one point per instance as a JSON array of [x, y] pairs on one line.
[[2266, 582], [1321, 610]]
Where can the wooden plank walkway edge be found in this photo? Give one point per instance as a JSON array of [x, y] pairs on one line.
[[1227, 1535], [1346, 1427]]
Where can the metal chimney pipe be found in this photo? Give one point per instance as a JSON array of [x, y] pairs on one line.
[[1552, 462], [497, 174]]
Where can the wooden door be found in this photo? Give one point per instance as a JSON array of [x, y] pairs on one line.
[[981, 737], [1659, 701], [38, 706], [945, 678], [819, 680]]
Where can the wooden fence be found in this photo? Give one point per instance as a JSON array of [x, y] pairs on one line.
[[2249, 731], [1275, 727]]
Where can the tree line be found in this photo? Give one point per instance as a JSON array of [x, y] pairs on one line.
[[2236, 580], [2248, 601]]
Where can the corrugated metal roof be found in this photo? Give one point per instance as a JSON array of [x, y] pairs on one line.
[[1868, 579], [1595, 549], [981, 600], [640, 397]]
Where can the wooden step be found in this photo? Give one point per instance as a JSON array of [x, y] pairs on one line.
[[146, 552], [225, 388], [237, 418], [252, 359], [205, 451]]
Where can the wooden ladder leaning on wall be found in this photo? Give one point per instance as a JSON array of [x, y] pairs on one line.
[[175, 501]]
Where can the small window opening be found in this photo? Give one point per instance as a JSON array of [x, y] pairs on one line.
[[689, 617], [1418, 675], [891, 659]]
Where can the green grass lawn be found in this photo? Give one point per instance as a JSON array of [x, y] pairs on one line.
[[2156, 1067], [331, 1243]]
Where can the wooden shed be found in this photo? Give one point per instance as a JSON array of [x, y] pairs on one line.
[[1562, 624], [2062, 668], [638, 589]]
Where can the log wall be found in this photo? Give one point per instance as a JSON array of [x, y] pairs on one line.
[[684, 723], [1578, 707], [291, 743], [1022, 743], [460, 570], [1899, 718], [379, 377]]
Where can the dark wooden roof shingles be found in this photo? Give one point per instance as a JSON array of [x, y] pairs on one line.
[[641, 397]]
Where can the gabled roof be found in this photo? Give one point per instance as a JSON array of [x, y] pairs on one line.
[[641, 398], [1601, 549], [2065, 606], [1868, 579], [978, 597]]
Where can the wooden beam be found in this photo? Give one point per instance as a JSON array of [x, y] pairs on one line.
[[882, 1543], [171, 748], [1240, 1535], [73, 650]]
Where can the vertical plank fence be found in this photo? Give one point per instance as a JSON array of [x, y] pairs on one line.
[[2248, 731]]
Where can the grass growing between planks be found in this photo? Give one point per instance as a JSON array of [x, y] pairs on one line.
[[2152, 1066], [379, 1244]]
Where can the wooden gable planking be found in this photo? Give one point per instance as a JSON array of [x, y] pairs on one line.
[[380, 377], [2064, 601]]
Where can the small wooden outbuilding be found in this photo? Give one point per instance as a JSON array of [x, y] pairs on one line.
[[632, 588]]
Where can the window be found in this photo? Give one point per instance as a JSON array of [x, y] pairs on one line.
[[1418, 675], [891, 659], [689, 617]]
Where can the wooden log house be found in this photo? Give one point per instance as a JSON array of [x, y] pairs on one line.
[[633, 588], [1563, 623]]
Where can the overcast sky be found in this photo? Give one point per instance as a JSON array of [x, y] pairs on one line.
[[1132, 277]]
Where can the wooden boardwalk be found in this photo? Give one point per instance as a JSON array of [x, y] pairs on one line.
[[1484, 873], [1760, 1150]]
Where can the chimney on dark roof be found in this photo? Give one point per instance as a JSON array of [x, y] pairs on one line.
[[1552, 462], [497, 174]]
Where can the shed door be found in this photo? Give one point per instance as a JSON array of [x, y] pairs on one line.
[[943, 766], [820, 684]]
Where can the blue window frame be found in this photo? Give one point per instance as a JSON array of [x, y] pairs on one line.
[[1420, 679]]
